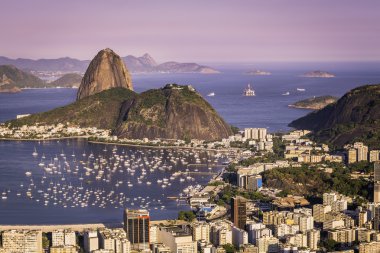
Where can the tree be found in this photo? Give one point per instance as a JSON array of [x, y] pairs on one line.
[[186, 215], [45, 241], [229, 248]]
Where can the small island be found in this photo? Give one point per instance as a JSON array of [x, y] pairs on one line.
[[318, 74], [257, 72], [314, 103]]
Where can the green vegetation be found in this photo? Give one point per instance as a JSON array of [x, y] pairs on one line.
[[362, 167], [85, 112], [310, 181], [354, 117], [186, 215], [215, 183], [67, 80], [173, 112], [315, 102], [229, 248], [45, 241], [330, 245], [235, 130], [229, 191]]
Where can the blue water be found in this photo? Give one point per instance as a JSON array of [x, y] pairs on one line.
[[267, 109], [16, 159]]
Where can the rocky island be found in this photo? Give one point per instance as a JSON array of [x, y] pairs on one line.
[[257, 72], [314, 103], [318, 74], [105, 100]]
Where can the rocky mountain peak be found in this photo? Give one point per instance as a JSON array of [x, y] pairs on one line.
[[148, 60], [106, 71]]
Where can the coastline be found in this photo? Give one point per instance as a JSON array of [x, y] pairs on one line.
[[235, 150], [52, 227], [302, 107]]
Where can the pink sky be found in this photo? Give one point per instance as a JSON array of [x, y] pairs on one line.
[[196, 30]]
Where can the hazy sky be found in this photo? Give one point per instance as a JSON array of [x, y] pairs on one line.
[[193, 30]]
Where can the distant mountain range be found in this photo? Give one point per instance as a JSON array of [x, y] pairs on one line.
[[143, 64]]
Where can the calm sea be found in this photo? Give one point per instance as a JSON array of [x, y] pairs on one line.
[[269, 108]]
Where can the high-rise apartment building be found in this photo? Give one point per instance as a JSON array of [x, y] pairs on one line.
[[255, 133], [239, 211], [376, 219], [136, 225], [90, 241], [320, 211], [351, 155], [362, 151], [357, 152], [374, 155], [313, 237], [63, 238], [376, 180], [28, 241], [201, 231], [114, 240]]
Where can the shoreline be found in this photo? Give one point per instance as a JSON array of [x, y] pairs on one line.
[[52, 227], [235, 150]]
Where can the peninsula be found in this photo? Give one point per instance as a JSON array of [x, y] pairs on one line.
[[314, 103], [106, 100], [355, 116]]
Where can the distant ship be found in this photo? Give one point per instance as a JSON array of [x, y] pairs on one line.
[[300, 89], [212, 94], [286, 93], [249, 92]]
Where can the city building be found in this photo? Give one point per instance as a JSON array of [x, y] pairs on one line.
[[376, 218], [25, 241], [136, 225], [255, 133], [320, 211], [63, 238], [177, 239], [257, 230], [239, 236], [201, 231], [345, 235], [313, 238], [63, 249], [90, 241], [357, 152], [221, 233], [268, 244], [351, 155], [362, 151], [370, 247], [376, 179], [374, 155], [114, 240], [239, 211]]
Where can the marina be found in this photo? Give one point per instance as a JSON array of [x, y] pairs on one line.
[[65, 177]]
